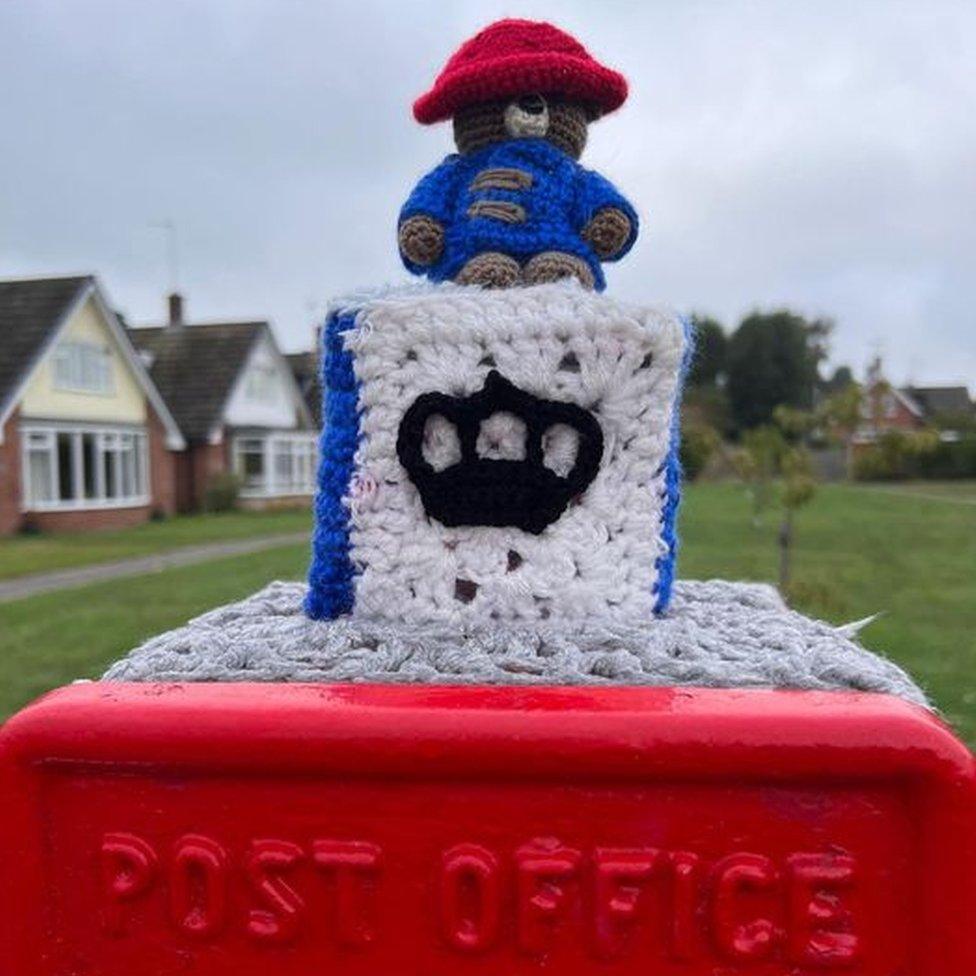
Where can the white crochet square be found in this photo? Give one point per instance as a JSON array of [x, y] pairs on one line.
[[557, 342]]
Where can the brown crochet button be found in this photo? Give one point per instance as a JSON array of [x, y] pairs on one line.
[[502, 178], [503, 210]]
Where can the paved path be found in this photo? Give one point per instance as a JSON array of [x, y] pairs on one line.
[[66, 579], [929, 496]]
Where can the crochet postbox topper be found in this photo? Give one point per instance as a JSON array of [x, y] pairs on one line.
[[513, 205], [502, 456]]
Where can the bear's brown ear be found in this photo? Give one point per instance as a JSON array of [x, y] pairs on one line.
[[477, 126]]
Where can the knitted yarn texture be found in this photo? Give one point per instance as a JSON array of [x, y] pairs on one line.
[[513, 57], [429, 522], [521, 94], [716, 634]]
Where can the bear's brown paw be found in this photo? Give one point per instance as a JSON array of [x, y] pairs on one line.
[[555, 265], [607, 232], [490, 270], [421, 239]]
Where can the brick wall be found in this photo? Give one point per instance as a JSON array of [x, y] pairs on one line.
[[10, 474], [90, 520], [206, 461], [162, 467]]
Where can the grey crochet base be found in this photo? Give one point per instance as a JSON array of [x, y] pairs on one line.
[[716, 634]]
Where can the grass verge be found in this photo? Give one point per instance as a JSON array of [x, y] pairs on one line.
[[22, 555], [859, 552]]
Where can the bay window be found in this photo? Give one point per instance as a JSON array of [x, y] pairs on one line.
[[275, 464], [250, 463], [84, 467]]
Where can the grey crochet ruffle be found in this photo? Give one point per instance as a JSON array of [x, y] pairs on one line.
[[716, 634]]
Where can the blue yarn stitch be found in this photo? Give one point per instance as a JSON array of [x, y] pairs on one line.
[[562, 198], [330, 576], [667, 564]]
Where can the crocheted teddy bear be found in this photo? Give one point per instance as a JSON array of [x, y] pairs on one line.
[[513, 205]]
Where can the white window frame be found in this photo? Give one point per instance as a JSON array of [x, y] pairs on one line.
[[259, 383], [88, 367], [108, 439], [300, 448]]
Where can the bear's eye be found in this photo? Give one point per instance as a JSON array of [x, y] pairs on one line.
[[527, 116]]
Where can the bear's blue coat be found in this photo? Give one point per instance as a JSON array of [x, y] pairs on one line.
[[562, 198]]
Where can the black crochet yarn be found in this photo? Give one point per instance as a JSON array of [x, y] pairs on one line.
[[522, 493]]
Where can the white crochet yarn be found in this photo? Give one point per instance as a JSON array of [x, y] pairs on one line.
[[556, 342], [716, 634]]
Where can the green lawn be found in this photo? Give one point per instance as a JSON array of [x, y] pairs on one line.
[[48, 640], [859, 552], [42, 553], [958, 491]]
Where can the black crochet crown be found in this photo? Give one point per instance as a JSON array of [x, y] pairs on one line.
[[494, 491]]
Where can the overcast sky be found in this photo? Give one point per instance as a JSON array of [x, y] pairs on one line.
[[818, 155]]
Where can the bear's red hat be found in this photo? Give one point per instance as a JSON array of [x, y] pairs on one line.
[[519, 57]]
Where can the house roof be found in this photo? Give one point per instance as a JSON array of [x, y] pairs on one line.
[[32, 314], [305, 368], [31, 309], [195, 368], [942, 400]]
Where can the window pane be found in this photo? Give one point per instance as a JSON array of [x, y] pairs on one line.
[[110, 462], [260, 383], [284, 465], [62, 368], [140, 462], [66, 466], [250, 462], [82, 366], [128, 467], [40, 473], [88, 456]]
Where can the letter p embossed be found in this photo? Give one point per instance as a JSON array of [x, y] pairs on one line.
[[129, 867]]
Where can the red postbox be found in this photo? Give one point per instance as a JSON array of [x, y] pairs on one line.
[[299, 829]]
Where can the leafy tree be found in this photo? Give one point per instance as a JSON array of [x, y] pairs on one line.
[[798, 487], [896, 454], [711, 346], [776, 468], [773, 358], [840, 380], [698, 443], [838, 416], [757, 463]]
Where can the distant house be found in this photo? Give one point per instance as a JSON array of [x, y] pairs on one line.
[[911, 408], [86, 440], [305, 369], [944, 406], [238, 406]]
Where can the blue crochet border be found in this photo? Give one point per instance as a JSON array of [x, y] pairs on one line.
[[331, 574], [666, 565]]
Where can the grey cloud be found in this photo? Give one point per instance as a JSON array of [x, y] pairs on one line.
[[815, 155]]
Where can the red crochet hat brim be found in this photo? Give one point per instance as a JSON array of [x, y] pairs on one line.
[[522, 74]]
